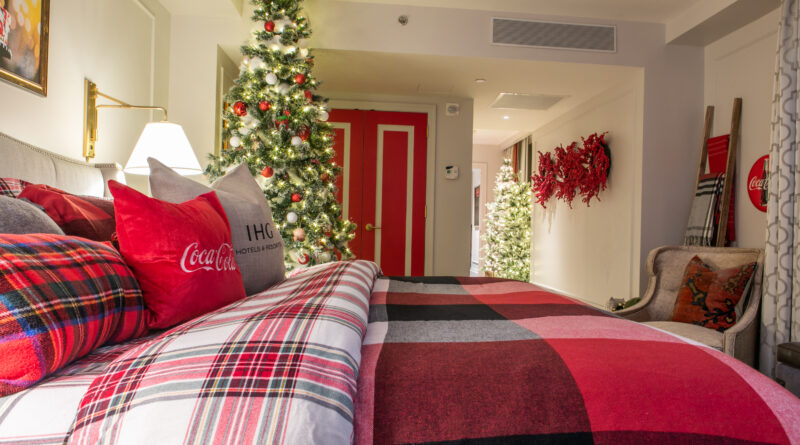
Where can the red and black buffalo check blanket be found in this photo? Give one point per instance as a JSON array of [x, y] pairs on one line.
[[484, 361]]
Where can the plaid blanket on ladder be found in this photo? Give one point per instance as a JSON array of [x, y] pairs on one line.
[[702, 227]]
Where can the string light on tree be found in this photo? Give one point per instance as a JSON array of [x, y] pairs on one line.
[[508, 227], [277, 125]]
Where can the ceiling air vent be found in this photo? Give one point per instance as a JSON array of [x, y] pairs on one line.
[[554, 35], [525, 101]]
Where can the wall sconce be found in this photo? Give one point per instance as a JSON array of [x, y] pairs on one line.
[[163, 140]]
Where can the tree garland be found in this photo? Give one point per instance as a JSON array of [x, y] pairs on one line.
[[576, 170]]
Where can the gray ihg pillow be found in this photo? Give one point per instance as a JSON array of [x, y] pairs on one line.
[[20, 217], [256, 241]]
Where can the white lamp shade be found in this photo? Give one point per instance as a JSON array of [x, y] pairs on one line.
[[166, 142]]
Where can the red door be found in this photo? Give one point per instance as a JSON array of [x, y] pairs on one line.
[[382, 186]]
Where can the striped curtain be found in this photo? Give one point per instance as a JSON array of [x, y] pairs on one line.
[[780, 316]]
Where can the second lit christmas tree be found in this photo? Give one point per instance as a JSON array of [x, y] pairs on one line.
[[277, 125], [508, 227]]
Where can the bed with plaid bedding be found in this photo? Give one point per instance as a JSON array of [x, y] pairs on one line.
[[442, 360], [485, 361]]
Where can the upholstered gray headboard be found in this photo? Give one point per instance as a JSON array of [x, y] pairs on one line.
[[33, 164]]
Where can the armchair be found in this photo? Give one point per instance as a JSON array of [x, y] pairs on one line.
[[666, 265]]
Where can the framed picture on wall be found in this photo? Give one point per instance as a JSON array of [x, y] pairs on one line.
[[24, 29]]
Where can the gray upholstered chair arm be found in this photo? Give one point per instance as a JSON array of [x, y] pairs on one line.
[[640, 311]]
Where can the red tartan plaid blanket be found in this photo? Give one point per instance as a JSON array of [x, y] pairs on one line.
[[483, 361]]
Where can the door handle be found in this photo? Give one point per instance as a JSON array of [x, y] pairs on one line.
[[370, 227]]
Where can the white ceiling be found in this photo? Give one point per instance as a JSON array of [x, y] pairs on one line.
[[402, 74], [633, 10]]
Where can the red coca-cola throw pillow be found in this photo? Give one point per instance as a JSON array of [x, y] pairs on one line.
[[181, 254]]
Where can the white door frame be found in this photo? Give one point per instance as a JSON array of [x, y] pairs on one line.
[[484, 168]]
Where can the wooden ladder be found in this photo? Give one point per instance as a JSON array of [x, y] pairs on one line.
[[730, 166]]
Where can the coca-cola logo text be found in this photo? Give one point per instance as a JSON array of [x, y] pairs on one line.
[[221, 259], [757, 183]]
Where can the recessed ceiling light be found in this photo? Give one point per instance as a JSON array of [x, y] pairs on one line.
[[480, 80], [506, 117]]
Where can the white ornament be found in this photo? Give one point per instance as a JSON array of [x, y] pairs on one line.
[[272, 79], [235, 141], [296, 141], [304, 52], [291, 217], [244, 131], [323, 116], [283, 88], [324, 257], [281, 24], [256, 63], [250, 121]]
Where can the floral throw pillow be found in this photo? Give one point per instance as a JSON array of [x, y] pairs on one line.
[[708, 298]]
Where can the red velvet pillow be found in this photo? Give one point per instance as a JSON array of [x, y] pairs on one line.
[[83, 216], [181, 254], [708, 298]]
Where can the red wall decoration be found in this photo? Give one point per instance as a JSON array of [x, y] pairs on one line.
[[757, 182], [576, 169]]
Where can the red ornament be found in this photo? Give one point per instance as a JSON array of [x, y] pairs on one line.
[[296, 197], [240, 109], [325, 177], [304, 134], [304, 259], [300, 79], [287, 113], [267, 172], [309, 95], [264, 105], [269, 26]]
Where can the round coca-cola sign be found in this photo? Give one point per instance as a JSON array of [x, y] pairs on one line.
[[757, 182]]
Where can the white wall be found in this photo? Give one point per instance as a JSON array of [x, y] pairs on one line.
[[121, 45], [193, 76], [592, 253], [741, 65]]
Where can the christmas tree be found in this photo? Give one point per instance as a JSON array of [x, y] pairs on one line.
[[277, 125], [508, 227]]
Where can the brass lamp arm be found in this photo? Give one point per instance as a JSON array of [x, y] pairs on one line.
[[90, 115], [133, 107]]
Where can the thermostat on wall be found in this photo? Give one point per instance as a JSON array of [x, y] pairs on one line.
[[451, 172]]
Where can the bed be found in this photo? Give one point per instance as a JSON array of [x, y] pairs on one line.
[[339, 353]]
